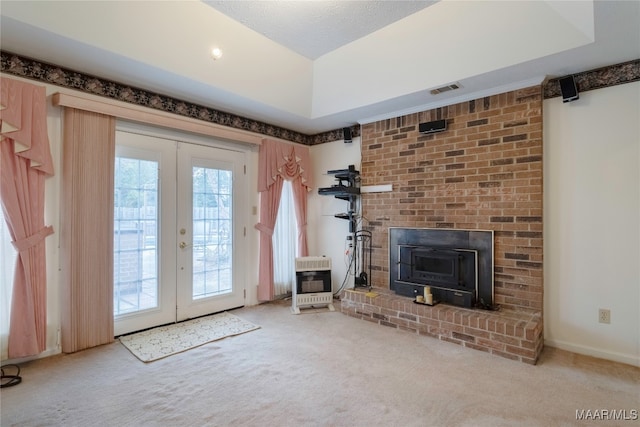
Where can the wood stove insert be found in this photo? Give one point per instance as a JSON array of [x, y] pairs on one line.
[[456, 264]]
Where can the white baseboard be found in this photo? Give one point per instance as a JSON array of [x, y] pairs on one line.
[[629, 359], [42, 355]]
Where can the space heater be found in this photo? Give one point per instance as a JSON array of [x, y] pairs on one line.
[[313, 284]]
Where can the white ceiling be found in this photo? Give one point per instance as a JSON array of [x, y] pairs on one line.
[[315, 66], [314, 28]]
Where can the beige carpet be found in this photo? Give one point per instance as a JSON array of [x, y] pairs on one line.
[[164, 341], [318, 368]]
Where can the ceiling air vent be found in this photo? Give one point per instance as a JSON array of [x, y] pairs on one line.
[[447, 88]]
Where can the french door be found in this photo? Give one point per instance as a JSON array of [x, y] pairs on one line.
[[178, 231]]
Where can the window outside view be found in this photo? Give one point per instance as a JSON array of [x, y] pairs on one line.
[[212, 232], [136, 242]]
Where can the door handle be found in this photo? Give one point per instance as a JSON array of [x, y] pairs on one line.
[[183, 245]]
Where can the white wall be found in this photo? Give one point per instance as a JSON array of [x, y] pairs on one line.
[[327, 234], [591, 218], [592, 223]]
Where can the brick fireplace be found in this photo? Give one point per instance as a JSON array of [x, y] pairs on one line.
[[484, 172]]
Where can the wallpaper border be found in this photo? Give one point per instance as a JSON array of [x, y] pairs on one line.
[[21, 66]]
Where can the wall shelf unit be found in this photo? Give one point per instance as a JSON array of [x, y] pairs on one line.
[[348, 189]]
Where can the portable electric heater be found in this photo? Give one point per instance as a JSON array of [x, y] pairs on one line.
[[313, 284]]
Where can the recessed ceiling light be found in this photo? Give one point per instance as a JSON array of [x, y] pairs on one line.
[[216, 53]]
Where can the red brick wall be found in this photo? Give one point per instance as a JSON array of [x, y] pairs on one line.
[[483, 172]]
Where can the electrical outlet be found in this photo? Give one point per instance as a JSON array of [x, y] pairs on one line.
[[604, 315]]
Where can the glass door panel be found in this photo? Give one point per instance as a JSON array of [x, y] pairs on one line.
[[144, 240], [178, 232], [136, 223], [211, 230]]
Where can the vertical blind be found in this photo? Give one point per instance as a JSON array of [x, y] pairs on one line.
[[86, 235]]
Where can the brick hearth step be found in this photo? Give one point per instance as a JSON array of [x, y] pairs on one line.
[[515, 335]]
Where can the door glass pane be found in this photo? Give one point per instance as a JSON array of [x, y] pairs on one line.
[[212, 232], [135, 235]]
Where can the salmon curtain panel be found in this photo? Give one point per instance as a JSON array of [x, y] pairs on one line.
[[278, 162], [25, 162], [86, 229]]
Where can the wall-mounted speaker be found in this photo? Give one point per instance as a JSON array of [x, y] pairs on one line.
[[433, 127], [569, 89], [346, 134]]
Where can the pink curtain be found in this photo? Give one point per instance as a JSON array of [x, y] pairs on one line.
[[279, 161], [25, 162], [269, 203]]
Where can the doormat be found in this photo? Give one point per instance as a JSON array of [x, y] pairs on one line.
[[164, 341]]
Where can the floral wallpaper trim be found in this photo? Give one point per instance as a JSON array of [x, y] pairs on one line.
[[59, 76], [612, 75], [17, 65]]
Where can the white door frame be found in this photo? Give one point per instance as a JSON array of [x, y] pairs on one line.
[[241, 212], [189, 156]]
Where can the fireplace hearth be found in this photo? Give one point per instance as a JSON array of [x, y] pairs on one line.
[[456, 264]]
